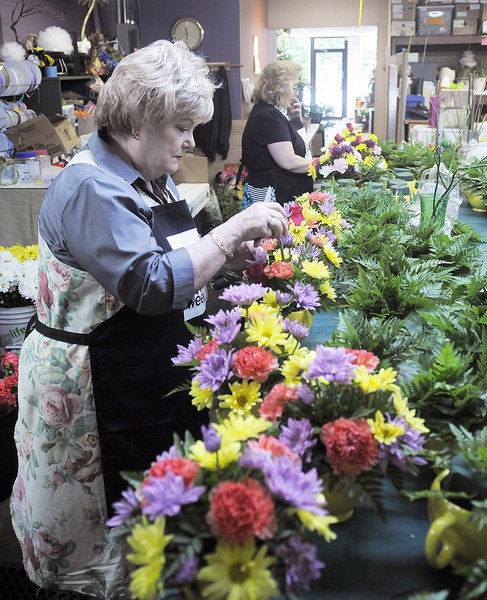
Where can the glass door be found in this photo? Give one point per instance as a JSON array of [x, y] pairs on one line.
[[329, 74]]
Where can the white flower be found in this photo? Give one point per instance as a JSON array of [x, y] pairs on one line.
[[28, 280], [325, 170], [17, 276]]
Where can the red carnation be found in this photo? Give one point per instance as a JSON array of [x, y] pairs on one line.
[[207, 349], [276, 447], [273, 404], [256, 274], [10, 360], [363, 357], [253, 362], [280, 269], [318, 197], [240, 510], [296, 214], [350, 445], [179, 466]]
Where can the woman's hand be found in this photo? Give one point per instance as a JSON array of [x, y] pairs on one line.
[[295, 109], [259, 220]]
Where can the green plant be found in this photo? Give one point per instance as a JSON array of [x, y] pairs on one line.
[[475, 178]]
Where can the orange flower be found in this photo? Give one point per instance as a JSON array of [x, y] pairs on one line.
[[318, 197], [179, 466], [253, 362], [207, 349], [279, 269], [363, 357], [276, 447], [269, 244], [317, 240], [273, 404], [240, 510]]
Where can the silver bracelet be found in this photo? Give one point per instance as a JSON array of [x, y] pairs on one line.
[[219, 242]]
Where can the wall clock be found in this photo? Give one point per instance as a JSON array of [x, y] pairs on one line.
[[189, 30]]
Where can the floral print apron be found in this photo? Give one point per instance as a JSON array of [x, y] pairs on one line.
[[93, 375]]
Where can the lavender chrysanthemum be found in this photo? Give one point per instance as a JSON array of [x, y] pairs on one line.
[[165, 495], [306, 296], [171, 453], [298, 435], [403, 453], [124, 508], [287, 240], [186, 355], [225, 324], [334, 364], [283, 297], [300, 562], [211, 438], [186, 573], [285, 479], [215, 369], [296, 329], [327, 208], [255, 458], [244, 294], [305, 393], [260, 256], [345, 224]]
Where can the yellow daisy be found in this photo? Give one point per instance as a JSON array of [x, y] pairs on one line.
[[312, 171], [244, 396], [293, 368], [148, 543], [259, 308], [351, 159], [371, 382], [310, 213], [327, 290], [361, 147], [269, 299], [238, 573], [299, 232], [319, 523], [324, 157], [384, 432], [228, 453], [267, 331], [332, 255], [316, 269], [238, 428], [400, 404], [202, 397]]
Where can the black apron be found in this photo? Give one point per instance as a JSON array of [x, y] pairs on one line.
[[132, 371]]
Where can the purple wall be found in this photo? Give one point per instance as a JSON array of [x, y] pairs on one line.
[[219, 18]]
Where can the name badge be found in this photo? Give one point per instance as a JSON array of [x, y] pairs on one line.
[[198, 303]]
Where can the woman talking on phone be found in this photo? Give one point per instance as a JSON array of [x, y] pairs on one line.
[[272, 149]]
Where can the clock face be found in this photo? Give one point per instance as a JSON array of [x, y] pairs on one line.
[[188, 30]]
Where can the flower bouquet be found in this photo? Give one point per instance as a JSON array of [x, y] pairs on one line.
[[223, 517], [18, 276], [351, 155], [298, 268], [229, 196], [8, 385]]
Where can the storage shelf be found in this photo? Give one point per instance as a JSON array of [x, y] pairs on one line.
[[439, 40]]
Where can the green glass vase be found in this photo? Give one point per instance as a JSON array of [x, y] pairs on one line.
[[433, 211]]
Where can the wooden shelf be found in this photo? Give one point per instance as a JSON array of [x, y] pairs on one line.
[[439, 40]]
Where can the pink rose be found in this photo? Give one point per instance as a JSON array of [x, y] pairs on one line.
[[44, 294], [58, 407], [48, 544], [59, 275], [29, 554]]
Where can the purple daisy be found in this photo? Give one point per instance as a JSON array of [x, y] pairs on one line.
[[244, 294], [300, 563], [305, 393], [186, 355], [215, 369], [225, 324], [211, 438], [188, 569], [306, 296], [283, 297], [285, 479], [125, 508], [334, 364], [296, 329], [255, 458], [298, 435], [166, 495]]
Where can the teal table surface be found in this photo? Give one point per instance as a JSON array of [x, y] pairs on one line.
[[372, 559]]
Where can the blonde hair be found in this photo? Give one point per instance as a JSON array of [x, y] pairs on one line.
[[152, 84], [273, 83]]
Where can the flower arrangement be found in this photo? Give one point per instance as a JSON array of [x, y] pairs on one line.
[[229, 198], [18, 276], [298, 268], [223, 517], [351, 155], [8, 385]]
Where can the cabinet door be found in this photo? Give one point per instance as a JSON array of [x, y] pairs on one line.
[[46, 99]]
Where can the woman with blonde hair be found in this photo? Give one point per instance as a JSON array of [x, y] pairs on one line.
[[121, 268], [272, 149]]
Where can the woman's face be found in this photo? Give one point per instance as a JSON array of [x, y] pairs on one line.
[[291, 89], [163, 145]]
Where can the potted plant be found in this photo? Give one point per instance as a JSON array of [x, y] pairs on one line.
[[8, 417], [18, 291], [474, 185]]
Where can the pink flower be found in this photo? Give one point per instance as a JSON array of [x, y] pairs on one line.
[[59, 276], [10, 360], [340, 165], [276, 447], [48, 544], [59, 408], [363, 357], [273, 404], [296, 214], [253, 362], [44, 294]]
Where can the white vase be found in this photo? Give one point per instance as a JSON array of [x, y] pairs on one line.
[[13, 322]]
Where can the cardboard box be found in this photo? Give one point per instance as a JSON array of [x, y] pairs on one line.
[[434, 20], [192, 169], [403, 12], [465, 26], [467, 11], [403, 28], [54, 134]]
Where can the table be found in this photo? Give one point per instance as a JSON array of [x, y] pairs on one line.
[[20, 207]]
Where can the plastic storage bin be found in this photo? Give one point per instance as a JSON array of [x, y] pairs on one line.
[[434, 20]]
